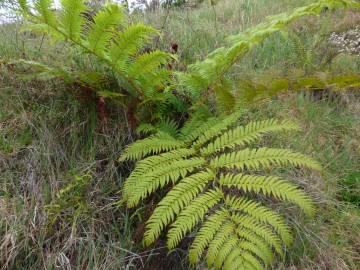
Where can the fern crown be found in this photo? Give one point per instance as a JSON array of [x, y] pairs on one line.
[[216, 178], [109, 37]]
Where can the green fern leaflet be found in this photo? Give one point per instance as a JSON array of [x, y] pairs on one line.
[[216, 178]]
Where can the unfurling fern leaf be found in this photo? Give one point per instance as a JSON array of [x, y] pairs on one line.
[[236, 231]]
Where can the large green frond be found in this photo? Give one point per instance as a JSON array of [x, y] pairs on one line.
[[243, 135], [148, 63], [272, 186], [254, 159], [102, 29], [128, 43], [193, 214], [175, 200], [71, 18]]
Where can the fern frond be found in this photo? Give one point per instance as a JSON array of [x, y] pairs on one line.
[[196, 120], [159, 177], [44, 9], [148, 63], [128, 43], [258, 228], [100, 32], [152, 145], [225, 250], [193, 83], [169, 126], [190, 216], [234, 260], [243, 135], [175, 200], [253, 262], [151, 163], [258, 242], [262, 214], [263, 158], [198, 130], [225, 100], [206, 234], [270, 185], [223, 234], [71, 18], [202, 76], [217, 129], [146, 128]]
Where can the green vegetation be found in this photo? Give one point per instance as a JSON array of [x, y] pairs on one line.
[[69, 108], [238, 231]]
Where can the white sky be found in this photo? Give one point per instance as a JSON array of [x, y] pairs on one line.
[[5, 13]]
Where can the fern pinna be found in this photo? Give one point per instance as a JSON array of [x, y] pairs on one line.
[[215, 181], [117, 45]]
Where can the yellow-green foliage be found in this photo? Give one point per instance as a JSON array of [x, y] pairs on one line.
[[217, 180], [210, 75], [110, 38]]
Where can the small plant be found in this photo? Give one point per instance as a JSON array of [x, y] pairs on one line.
[[216, 182]]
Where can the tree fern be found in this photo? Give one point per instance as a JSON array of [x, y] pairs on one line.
[[205, 166], [113, 41]]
